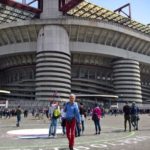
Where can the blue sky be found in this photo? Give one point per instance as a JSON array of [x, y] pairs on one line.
[[140, 9]]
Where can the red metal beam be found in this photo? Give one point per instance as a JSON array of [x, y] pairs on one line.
[[21, 6], [65, 6]]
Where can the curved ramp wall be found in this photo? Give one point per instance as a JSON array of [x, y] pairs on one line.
[[127, 82], [85, 36], [53, 65]]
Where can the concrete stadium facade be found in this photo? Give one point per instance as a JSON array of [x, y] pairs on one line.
[[62, 54]]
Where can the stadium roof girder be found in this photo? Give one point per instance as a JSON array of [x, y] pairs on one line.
[[141, 28], [104, 13], [91, 11], [79, 10], [148, 31], [11, 14], [21, 6], [14, 11], [66, 5], [134, 24], [94, 12], [16, 15]]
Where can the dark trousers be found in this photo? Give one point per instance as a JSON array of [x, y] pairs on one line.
[[97, 126], [82, 122], [63, 124], [78, 130], [127, 118], [18, 120], [134, 121]]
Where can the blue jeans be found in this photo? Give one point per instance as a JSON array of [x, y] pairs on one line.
[[134, 121], [77, 129], [18, 120], [53, 127], [82, 122], [97, 126]]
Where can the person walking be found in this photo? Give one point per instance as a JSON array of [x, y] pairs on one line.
[[18, 115], [54, 114], [96, 115], [127, 116], [83, 116], [72, 116], [134, 116]]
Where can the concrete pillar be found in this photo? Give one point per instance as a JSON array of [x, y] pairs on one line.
[[126, 79], [50, 9], [53, 65]]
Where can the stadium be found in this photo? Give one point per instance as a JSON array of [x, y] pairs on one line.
[[50, 48]]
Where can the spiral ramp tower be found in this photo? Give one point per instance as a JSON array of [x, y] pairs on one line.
[[127, 81], [53, 67], [89, 50]]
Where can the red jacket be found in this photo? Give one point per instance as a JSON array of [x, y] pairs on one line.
[[97, 111]]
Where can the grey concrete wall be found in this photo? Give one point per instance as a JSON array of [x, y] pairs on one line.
[[126, 80], [53, 64], [50, 9], [78, 47]]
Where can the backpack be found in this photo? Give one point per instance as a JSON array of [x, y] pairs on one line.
[[56, 113]]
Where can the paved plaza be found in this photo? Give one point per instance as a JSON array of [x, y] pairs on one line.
[[112, 136]]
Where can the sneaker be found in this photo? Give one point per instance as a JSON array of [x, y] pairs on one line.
[[17, 125], [50, 136], [71, 148]]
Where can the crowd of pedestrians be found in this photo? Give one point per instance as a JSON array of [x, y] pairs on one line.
[[72, 115], [131, 115], [7, 113]]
